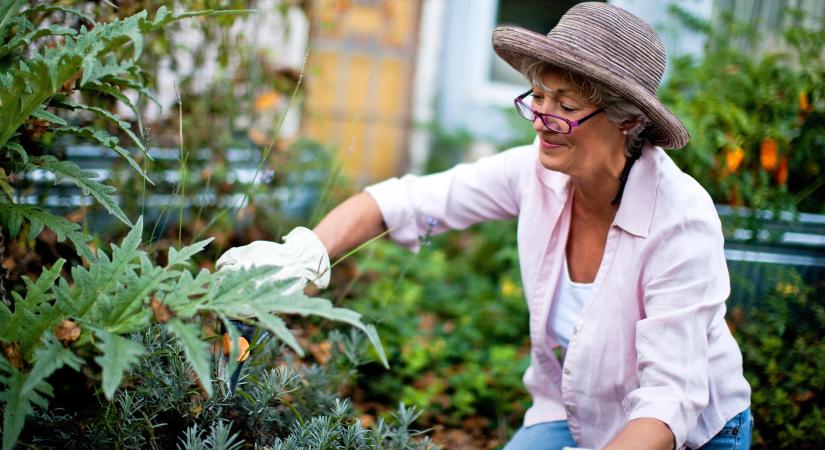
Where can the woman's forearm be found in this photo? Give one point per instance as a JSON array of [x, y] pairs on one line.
[[350, 224], [644, 433]]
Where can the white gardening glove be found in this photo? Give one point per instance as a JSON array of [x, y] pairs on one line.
[[302, 256]]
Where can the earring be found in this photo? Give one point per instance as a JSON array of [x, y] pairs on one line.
[[624, 132]]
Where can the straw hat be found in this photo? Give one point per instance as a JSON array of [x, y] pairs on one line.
[[606, 44]]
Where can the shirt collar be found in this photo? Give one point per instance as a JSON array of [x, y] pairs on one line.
[[635, 212]]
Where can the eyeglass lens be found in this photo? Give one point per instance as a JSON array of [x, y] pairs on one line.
[[549, 121]]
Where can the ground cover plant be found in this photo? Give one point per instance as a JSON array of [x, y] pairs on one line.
[[128, 343]]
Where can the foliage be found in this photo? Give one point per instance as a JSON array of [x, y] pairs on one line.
[[84, 316], [162, 406], [784, 360], [123, 294], [756, 120], [458, 346]]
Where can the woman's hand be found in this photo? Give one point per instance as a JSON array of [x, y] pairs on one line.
[[643, 434], [302, 257]]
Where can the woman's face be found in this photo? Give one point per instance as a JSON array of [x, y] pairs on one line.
[[594, 148]]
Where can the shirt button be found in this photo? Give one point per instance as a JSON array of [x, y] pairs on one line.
[[567, 371]]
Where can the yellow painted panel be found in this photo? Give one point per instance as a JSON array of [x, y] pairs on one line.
[[322, 79], [358, 94], [386, 151], [403, 16], [363, 20], [350, 145], [319, 128], [392, 89]]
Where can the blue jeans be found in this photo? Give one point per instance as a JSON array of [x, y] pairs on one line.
[[736, 435]]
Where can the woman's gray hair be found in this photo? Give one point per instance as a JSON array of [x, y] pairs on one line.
[[617, 108]]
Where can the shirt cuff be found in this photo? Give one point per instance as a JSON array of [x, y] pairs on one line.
[[671, 412], [397, 211]]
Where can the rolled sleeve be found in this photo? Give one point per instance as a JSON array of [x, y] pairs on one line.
[[414, 207], [685, 288]]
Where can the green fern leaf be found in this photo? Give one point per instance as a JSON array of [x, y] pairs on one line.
[[17, 148], [195, 349], [106, 139], [50, 8], [9, 16], [278, 327], [124, 126], [302, 305], [182, 256], [44, 114], [21, 391], [34, 314], [83, 179], [13, 214], [179, 297], [49, 357], [119, 354]]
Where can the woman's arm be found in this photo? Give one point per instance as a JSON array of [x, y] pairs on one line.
[[350, 224], [643, 434]]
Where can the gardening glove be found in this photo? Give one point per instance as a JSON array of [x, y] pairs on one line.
[[302, 256]]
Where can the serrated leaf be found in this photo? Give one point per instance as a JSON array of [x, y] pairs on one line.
[[182, 256], [119, 354], [195, 349], [5, 186], [278, 327], [44, 114], [106, 139], [122, 124], [48, 358], [9, 11], [19, 150], [50, 8], [83, 179], [300, 304], [13, 214]]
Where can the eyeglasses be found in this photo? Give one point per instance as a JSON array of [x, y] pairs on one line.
[[557, 123]]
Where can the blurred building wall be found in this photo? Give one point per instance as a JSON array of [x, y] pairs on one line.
[[359, 80]]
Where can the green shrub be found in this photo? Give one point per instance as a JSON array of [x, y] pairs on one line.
[[135, 329], [784, 359], [454, 322], [756, 121]]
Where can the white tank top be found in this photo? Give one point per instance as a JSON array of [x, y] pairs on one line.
[[568, 302]]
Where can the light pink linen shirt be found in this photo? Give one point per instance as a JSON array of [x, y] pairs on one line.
[[651, 340]]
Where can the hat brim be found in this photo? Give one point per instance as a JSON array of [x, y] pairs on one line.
[[515, 44]]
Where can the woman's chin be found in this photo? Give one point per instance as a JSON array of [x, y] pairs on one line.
[[552, 159]]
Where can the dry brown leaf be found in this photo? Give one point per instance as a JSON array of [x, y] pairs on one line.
[[67, 331], [13, 355], [321, 352], [160, 312]]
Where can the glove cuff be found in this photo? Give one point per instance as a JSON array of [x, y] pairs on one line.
[[314, 254]]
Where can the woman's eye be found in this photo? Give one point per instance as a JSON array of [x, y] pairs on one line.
[[568, 108]]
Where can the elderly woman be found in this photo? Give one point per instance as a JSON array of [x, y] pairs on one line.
[[621, 253]]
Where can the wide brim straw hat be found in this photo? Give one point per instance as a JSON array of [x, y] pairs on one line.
[[610, 46]]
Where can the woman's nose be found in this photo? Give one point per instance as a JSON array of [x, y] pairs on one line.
[[538, 125]]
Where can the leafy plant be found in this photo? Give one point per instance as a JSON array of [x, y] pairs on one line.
[[756, 119], [125, 293], [458, 346], [784, 361]]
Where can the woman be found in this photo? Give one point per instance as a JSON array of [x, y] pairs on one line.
[[621, 253]]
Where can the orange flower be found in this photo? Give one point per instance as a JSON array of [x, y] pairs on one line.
[[804, 107], [266, 100], [768, 157], [733, 158], [782, 174]]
